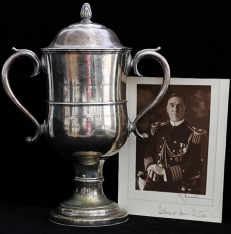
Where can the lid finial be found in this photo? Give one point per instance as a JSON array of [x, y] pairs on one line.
[[86, 12]]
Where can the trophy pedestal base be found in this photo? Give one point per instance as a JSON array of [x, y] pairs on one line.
[[88, 206], [105, 215]]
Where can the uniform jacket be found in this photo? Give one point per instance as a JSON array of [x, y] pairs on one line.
[[177, 150]]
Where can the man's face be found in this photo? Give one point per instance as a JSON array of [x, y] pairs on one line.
[[176, 109]]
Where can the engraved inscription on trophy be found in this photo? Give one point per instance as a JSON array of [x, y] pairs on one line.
[[79, 87], [86, 92], [78, 124], [89, 192]]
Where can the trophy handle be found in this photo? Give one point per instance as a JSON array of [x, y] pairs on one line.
[[150, 53], [19, 53]]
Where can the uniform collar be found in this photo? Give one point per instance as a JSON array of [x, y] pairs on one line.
[[178, 131], [176, 123]]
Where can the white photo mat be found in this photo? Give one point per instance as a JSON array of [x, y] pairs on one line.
[[201, 207]]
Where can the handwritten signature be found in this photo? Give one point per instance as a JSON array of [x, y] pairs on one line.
[[199, 213], [184, 197], [165, 211], [181, 213]]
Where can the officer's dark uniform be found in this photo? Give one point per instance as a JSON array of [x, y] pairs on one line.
[[177, 150]]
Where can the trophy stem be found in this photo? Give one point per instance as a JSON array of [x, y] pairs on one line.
[[88, 205]]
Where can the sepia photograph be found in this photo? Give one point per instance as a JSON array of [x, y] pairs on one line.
[[177, 169], [173, 156]]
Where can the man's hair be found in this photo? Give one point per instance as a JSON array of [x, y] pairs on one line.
[[177, 95]]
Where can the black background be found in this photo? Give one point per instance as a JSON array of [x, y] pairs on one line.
[[195, 40]]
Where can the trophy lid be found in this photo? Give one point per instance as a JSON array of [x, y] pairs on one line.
[[85, 35]]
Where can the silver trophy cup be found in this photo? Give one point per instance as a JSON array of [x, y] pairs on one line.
[[86, 68]]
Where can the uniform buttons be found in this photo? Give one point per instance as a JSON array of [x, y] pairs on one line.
[[171, 159], [163, 138], [159, 154], [177, 159], [175, 142], [174, 151], [183, 171], [160, 146], [168, 165]]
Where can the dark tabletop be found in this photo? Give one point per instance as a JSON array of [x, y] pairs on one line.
[[27, 219]]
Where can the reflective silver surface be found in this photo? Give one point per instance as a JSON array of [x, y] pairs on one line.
[[85, 35], [86, 68], [87, 102], [88, 206], [20, 53]]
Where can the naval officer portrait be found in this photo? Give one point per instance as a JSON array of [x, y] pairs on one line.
[[172, 160]]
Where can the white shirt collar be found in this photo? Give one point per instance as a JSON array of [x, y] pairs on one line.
[[176, 123]]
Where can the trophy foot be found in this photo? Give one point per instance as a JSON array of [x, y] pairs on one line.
[[105, 215], [88, 206]]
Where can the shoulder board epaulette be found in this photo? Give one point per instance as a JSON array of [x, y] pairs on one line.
[[154, 127], [198, 135]]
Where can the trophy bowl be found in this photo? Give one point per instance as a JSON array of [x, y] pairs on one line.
[[86, 68]]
